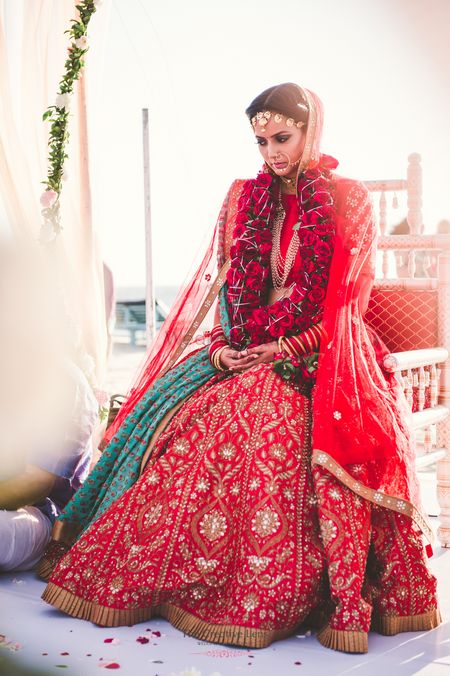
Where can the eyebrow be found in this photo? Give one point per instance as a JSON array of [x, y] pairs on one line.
[[273, 135]]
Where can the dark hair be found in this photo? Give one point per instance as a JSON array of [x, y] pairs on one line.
[[286, 98]]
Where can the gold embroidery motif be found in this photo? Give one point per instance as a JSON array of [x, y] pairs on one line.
[[265, 522]]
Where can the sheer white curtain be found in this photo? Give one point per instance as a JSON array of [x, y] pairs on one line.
[[33, 49]]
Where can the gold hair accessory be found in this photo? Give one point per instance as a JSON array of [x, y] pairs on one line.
[[262, 118]]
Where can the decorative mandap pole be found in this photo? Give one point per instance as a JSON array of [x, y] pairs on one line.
[[149, 287], [443, 428]]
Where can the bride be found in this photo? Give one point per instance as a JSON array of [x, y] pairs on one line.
[[265, 481]]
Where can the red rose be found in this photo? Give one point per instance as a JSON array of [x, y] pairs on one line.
[[323, 229], [244, 248], [322, 249], [297, 295], [308, 306], [257, 223], [261, 236], [275, 330], [242, 217], [286, 321], [317, 295], [235, 336], [254, 283], [265, 248], [264, 180], [302, 323], [259, 194], [308, 238], [309, 266], [328, 162], [239, 230], [327, 210], [260, 316], [254, 269], [251, 298], [315, 281], [265, 211], [313, 217]]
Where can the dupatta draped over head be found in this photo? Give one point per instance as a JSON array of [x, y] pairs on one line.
[[360, 415]]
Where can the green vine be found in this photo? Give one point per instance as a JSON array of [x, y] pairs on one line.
[[58, 117]]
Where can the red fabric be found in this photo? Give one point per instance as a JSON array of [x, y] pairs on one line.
[[360, 412], [290, 205]]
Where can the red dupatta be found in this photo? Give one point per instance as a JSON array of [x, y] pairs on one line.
[[360, 413]]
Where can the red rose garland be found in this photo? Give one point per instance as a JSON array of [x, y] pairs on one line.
[[253, 321]]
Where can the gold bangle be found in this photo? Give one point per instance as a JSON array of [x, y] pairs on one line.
[[216, 358], [280, 343]]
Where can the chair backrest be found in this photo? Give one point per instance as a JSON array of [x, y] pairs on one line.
[[407, 311]]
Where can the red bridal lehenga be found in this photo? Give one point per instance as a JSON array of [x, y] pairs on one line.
[[237, 531]]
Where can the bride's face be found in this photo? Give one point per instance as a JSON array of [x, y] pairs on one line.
[[281, 146]]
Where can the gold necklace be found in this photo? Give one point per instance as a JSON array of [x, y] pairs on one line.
[[290, 183], [281, 265]]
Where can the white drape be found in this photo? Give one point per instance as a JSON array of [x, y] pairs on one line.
[[33, 49]]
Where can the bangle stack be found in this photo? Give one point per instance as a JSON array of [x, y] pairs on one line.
[[308, 341], [218, 345]]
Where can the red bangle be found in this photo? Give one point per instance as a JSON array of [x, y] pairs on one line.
[[317, 334], [300, 346], [216, 345], [289, 348]]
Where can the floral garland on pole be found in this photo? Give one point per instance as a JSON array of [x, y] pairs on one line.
[[58, 116]]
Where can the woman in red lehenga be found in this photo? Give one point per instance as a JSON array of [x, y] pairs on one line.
[[265, 482]]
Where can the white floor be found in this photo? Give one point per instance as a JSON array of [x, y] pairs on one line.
[[40, 640]]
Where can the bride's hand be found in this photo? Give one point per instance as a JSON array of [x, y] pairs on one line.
[[244, 360]]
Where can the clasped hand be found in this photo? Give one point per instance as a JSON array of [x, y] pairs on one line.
[[239, 361]]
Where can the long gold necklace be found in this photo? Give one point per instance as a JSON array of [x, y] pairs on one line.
[[281, 266]]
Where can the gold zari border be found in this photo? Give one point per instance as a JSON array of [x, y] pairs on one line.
[[377, 497], [389, 626], [184, 621], [345, 641]]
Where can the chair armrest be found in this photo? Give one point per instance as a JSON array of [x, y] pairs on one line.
[[412, 359]]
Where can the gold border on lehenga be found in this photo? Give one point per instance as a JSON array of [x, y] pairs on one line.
[[186, 622], [379, 498], [389, 625], [249, 637]]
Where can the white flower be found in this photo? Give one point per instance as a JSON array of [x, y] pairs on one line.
[[63, 101], [337, 415], [81, 43], [47, 233], [87, 365]]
